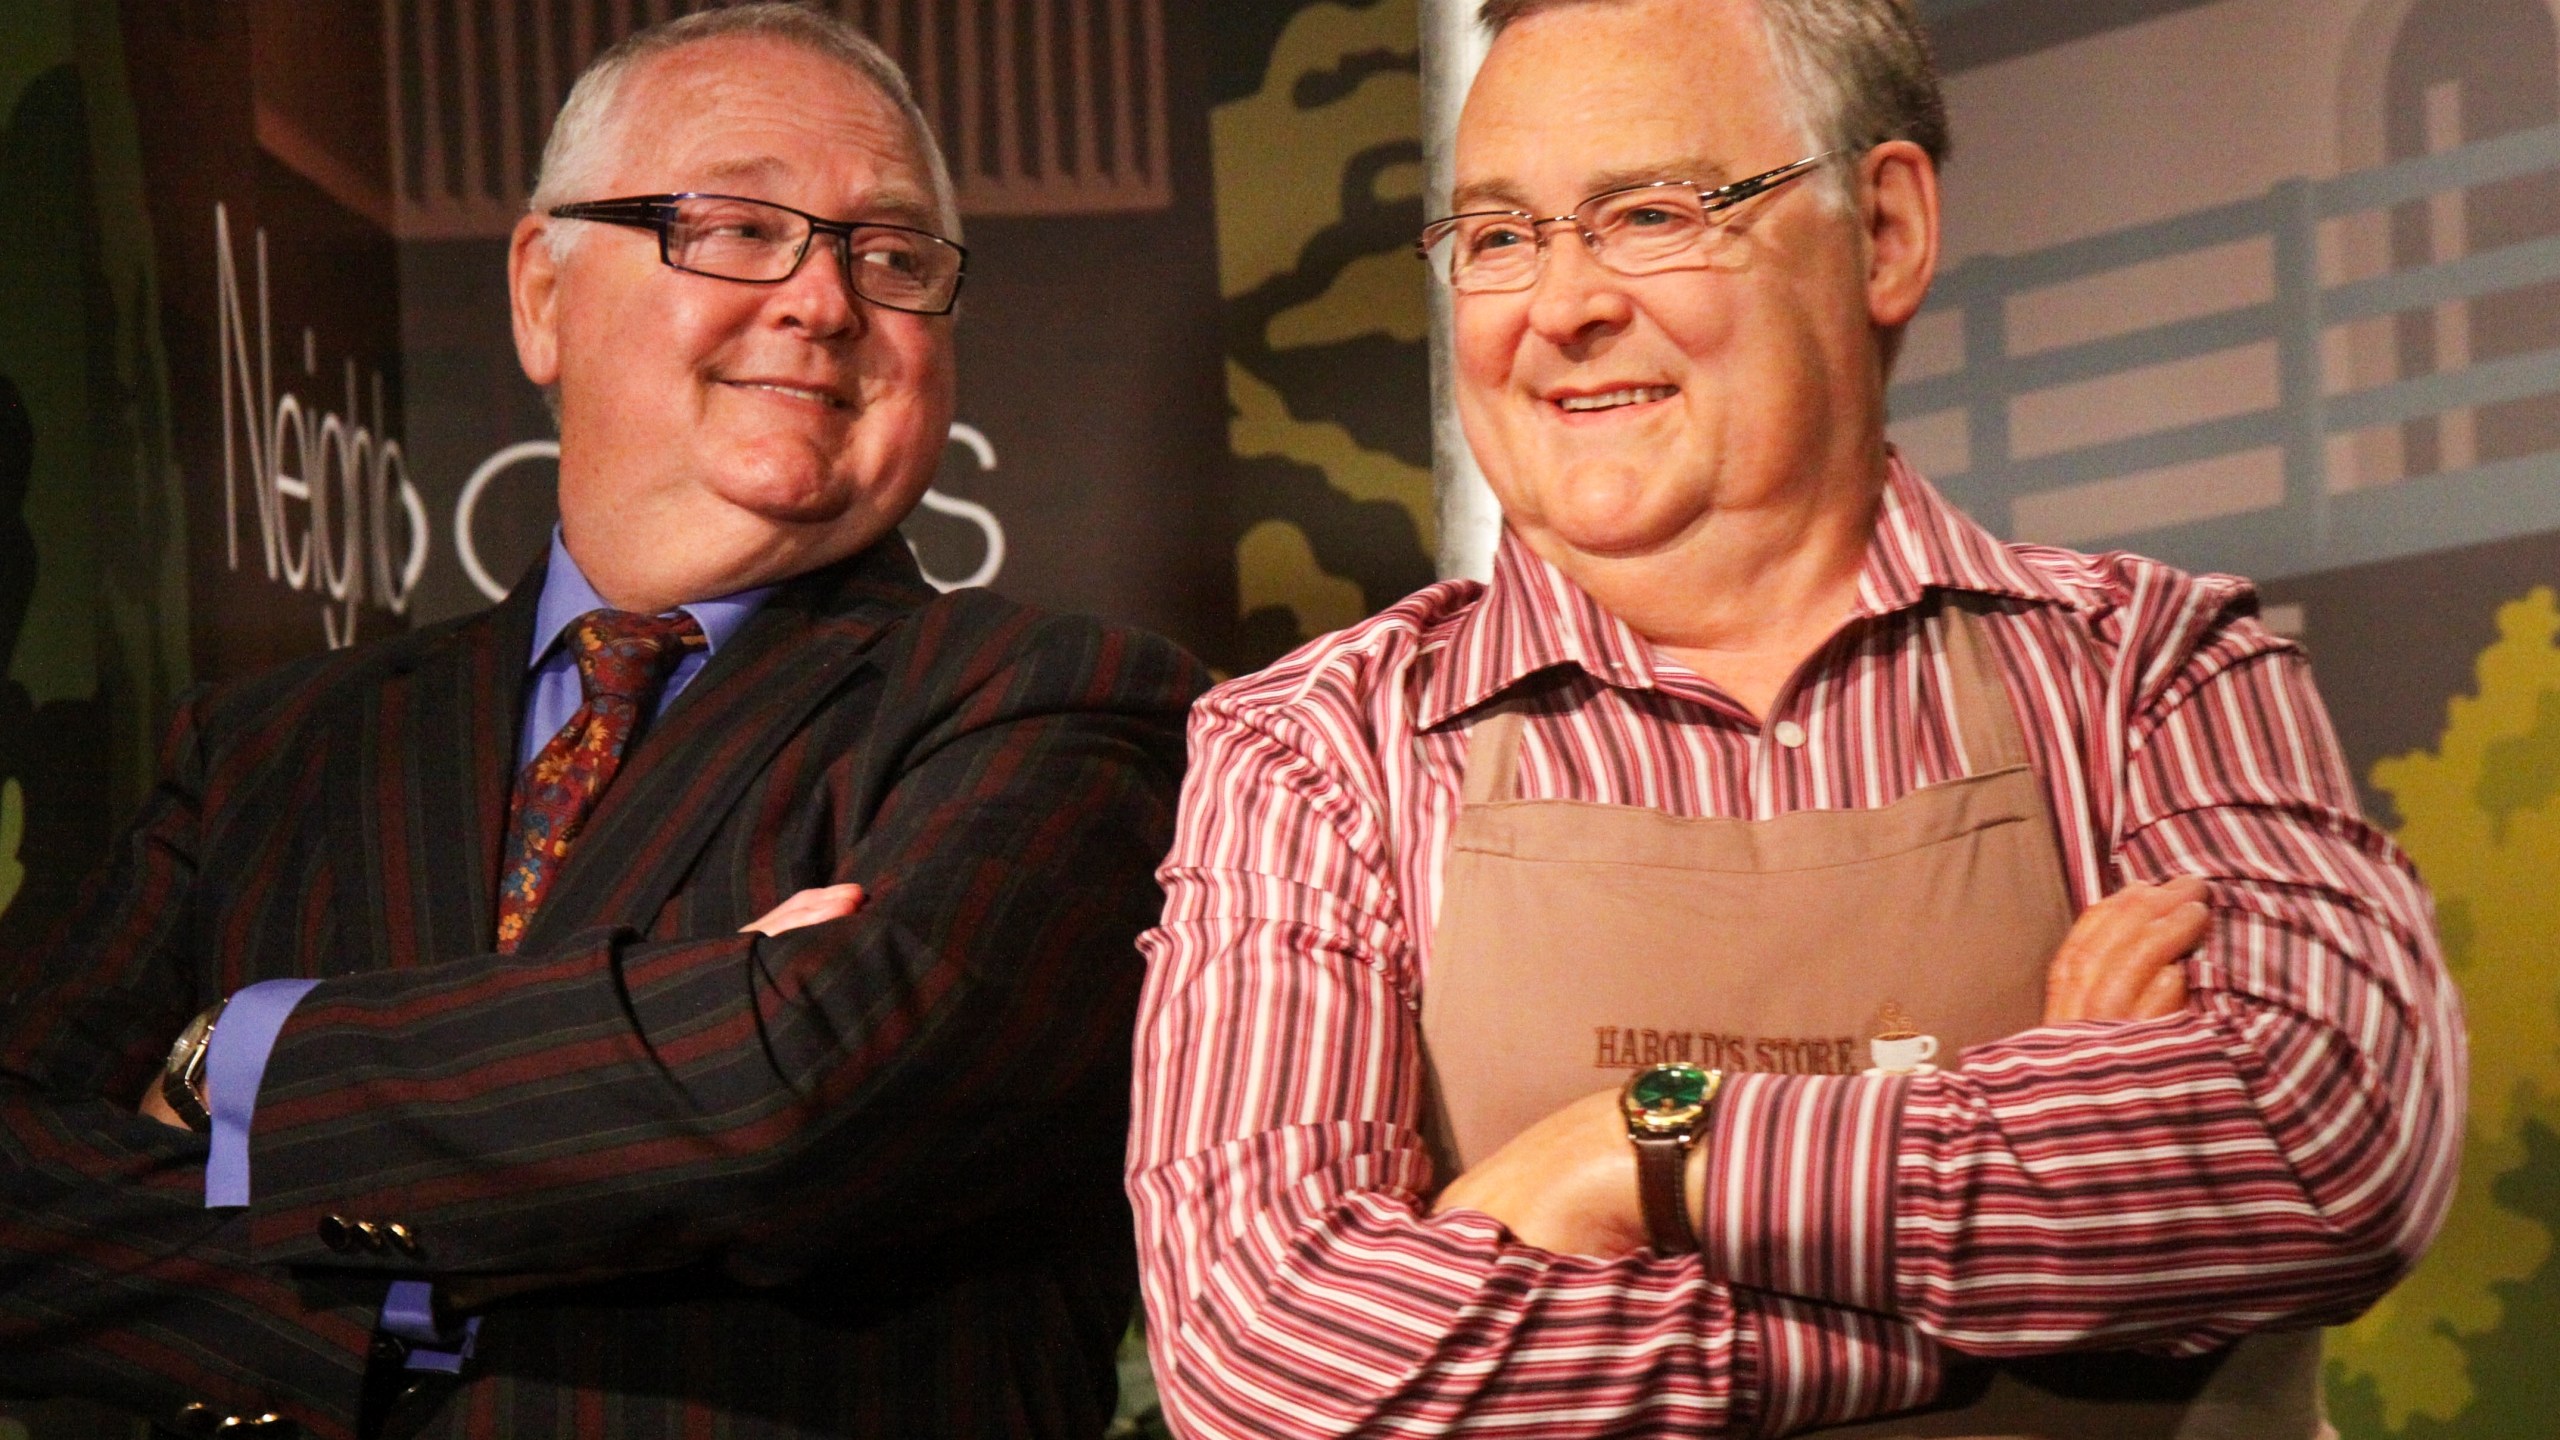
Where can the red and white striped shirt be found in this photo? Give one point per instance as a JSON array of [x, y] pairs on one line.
[[2278, 1155]]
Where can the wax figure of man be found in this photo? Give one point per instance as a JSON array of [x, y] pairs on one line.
[[854, 1171], [1758, 755]]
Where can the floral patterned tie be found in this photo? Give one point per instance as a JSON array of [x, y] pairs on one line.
[[623, 661]]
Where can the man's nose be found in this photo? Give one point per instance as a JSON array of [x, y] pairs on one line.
[[819, 296], [1574, 293]]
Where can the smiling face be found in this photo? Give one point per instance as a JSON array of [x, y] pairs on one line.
[[716, 435], [1623, 418]]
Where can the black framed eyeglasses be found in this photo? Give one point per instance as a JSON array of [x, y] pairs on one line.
[[1634, 230], [757, 242]]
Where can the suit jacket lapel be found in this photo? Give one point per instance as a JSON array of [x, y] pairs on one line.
[[692, 768], [445, 763]]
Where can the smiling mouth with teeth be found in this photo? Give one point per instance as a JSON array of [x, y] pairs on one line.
[[1632, 395], [796, 392]]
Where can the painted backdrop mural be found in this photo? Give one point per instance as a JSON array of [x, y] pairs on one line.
[[1319, 182], [2270, 286]]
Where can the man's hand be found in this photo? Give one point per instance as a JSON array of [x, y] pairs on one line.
[[814, 906], [2120, 961], [155, 1108], [1568, 1183]]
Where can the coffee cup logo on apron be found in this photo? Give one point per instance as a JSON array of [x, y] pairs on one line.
[[1899, 1047]]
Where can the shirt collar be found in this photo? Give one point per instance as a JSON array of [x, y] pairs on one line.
[[1921, 543], [566, 595], [1532, 618]]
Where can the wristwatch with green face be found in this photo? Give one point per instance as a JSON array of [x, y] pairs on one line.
[[182, 1075], [1667, 1109]]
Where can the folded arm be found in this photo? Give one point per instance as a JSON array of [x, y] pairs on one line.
[[622, 1104], [1297, 1284], [2276, 1155], [1568, 1183]]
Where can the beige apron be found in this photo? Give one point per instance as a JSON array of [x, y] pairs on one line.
[[1578, 941]]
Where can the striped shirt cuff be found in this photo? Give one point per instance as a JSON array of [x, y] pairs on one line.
[[1799, 1186]]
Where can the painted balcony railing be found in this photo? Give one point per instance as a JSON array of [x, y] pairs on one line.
[[2322, 515], [1042, 106]]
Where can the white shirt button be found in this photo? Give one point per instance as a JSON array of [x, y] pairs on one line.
[[1789, 734]]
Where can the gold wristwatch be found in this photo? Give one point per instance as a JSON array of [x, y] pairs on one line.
[[1667, 1109], [182, 1075]]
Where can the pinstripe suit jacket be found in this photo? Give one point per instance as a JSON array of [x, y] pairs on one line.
[[859, 1179]]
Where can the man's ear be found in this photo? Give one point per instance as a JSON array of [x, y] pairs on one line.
[[533, 299], [1901, 215]]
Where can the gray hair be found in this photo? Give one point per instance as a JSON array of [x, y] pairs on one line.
[[1860, 70], [579, 150]]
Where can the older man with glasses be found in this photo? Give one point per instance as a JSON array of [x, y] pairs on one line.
[[1777, 957], [691, 997]]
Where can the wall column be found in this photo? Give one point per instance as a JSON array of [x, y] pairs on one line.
[[1452, 47]]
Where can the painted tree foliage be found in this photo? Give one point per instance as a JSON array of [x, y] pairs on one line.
[[2464, 1348], [1316, 134]]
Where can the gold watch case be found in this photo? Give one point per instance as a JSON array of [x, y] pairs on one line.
[[1668, 1100], [182, 1076]]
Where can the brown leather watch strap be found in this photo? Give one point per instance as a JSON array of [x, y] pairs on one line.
[[1662, 1165]]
